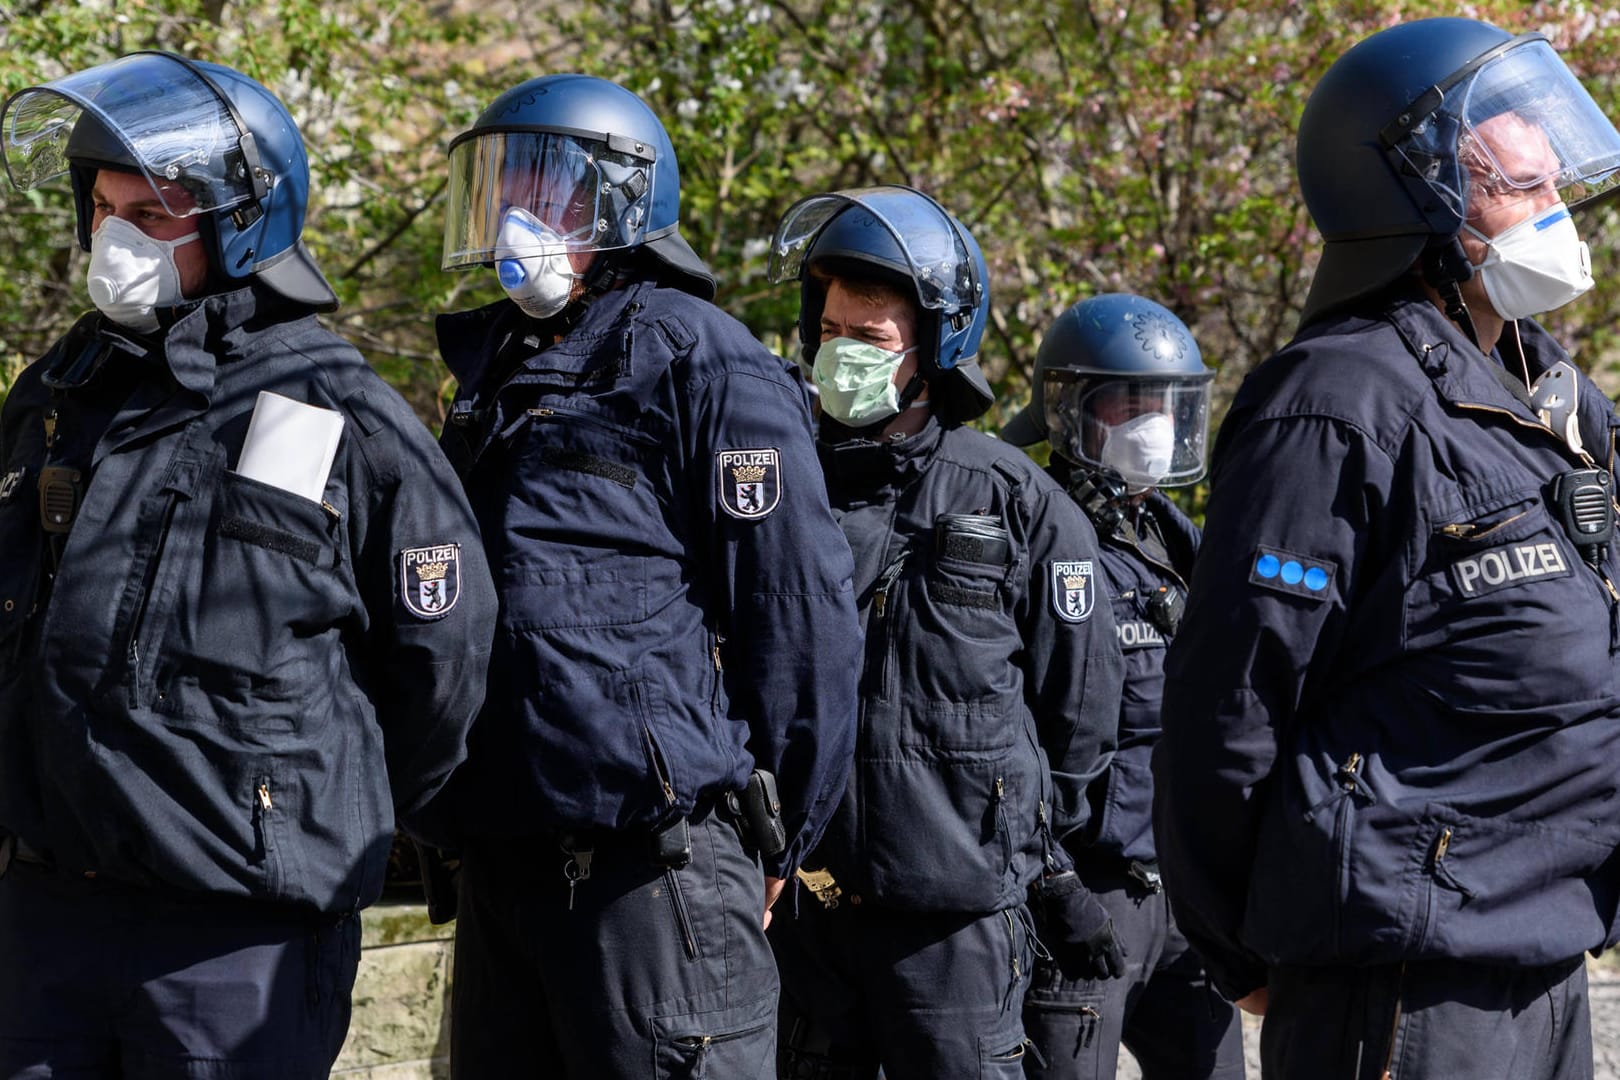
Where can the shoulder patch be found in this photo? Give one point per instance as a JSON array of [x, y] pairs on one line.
[[430, 579], [11, 483], [1074, 590], [749, 482], [1287, 572]]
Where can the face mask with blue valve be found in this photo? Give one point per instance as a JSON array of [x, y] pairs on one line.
[[531, 260], [1538, 265]]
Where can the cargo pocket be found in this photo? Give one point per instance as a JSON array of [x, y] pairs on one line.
[[727, 1044]]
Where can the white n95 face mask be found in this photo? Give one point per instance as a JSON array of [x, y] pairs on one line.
[[1538, 265], [1140, 449], [531, 259], [131, 274]]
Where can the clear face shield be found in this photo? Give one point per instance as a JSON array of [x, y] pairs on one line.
[[1147, 431], [1513, 126], [938, 261], [150, 112], [520, 194]]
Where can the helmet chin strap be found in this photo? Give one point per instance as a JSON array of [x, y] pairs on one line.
[[1103, 498], [1446, 267]]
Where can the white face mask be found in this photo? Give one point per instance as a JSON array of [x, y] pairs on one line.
[[1140, 449], [1537, 265], [532, 261], [131, 274], [856, 381]]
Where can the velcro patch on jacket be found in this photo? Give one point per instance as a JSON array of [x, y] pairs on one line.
[[11, 483], [749, 482], [430, 579], [1287, 572], [1074, 590], [1510, 564], [1138, 634]]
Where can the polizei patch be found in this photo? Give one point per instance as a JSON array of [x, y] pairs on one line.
[[1510, 564], [430, 579], [1074, 590], [750, 482]]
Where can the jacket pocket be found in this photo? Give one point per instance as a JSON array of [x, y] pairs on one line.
[[258, 600], [720, 1045]]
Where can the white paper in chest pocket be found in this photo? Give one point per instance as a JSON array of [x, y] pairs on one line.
[[291, 445]]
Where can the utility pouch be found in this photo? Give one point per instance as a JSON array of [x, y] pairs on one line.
[[439, 868], [672, 845], [762, 814], [974, 538]]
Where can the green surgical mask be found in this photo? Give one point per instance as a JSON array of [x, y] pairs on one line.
[[856, 381]]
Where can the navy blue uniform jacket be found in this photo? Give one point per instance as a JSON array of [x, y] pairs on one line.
[[1133, 572], [1392, 713], [224, 679], [675, 599], [990, 689]]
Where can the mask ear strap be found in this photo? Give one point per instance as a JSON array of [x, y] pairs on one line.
[[909, 393]]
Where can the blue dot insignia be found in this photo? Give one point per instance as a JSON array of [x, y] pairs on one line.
[[1297, 575]]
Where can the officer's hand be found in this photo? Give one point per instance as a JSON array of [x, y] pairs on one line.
[[1081, 934], [1254, 1003], [773, 890]]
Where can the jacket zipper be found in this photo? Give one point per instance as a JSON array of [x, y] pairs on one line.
[[880, 611], [1349, 779], [132, 653]]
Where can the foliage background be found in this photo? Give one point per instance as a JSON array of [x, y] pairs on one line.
[[1091, 146]]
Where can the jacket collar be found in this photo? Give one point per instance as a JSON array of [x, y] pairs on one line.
[[858, 468], [472, 342]]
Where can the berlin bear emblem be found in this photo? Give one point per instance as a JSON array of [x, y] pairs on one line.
[[430, 579], [1073, 590], [749, 482]]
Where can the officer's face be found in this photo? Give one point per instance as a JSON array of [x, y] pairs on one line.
[[877, 316], [130, 196], [1517, 186]]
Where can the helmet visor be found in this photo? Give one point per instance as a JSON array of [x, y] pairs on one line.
[[1149, 431], [146, 112], [1518, 125], [593, 198], [938, 261]]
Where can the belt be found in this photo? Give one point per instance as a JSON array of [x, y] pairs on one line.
[[669, 845]]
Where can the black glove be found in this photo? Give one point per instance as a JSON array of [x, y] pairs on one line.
[[1079, 932]]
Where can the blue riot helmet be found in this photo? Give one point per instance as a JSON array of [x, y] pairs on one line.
[[901, 236], [212, 142], [566, 163], [1389, 146], [1120, 389]]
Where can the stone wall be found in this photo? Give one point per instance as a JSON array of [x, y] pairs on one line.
[[401, 1024]]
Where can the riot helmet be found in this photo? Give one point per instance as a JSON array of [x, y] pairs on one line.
[[211, 142], [899, 236], [1390, 149], [1120, 389], [560, 165]]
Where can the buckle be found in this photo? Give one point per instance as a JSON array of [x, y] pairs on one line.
[[822, 885], [1147, 874]]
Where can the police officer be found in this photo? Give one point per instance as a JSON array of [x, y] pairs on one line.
[[990, 678], [225, 662], [1122, 394], [676, 613], [1386, 803]]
